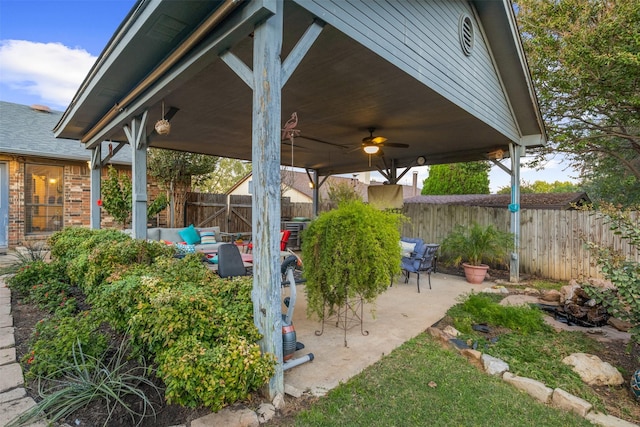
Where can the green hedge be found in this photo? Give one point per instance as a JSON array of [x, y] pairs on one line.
[[195, 326]]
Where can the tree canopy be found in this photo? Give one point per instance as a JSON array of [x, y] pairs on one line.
[[457, 178], [226, 175], [176, 171], [584, 57], [543, 187]]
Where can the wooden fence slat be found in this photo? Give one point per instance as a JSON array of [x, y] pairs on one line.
[[551, 241]]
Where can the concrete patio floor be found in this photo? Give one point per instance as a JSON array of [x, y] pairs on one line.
[[399, 314]]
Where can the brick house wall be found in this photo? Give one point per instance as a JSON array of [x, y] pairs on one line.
[[76, 193]]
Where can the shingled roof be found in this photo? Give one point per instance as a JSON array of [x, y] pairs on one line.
[[559, 201], [28, 131]]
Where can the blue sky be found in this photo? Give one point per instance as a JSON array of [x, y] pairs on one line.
[[47, 48]]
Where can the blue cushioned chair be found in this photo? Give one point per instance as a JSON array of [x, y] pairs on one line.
[[421, 260]]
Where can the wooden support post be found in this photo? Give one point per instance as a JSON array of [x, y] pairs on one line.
[[137, 138], [514, 208], [266, 193], [95, 168]]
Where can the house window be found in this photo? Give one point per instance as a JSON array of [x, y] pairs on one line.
[[43, 198]]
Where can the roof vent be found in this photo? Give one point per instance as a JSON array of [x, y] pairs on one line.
[[41, 108], [466, 34]]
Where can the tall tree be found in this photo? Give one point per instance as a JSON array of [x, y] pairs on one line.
[[177, 171], [457, 178], [584, 57], [226, 174], [543, 187]]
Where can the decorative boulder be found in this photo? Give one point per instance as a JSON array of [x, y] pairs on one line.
[[593, 370]]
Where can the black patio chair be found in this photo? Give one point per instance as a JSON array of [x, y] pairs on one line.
[[230, 262]]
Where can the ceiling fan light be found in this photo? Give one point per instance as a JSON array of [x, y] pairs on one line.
[[371, 149]]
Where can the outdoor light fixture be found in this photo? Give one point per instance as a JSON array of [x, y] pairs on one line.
[[371, 149], [421, 161], [163, 127]]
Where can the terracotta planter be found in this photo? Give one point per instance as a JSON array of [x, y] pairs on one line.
[[475, 274]]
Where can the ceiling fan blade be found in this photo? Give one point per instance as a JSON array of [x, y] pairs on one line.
[[395, 144], [359, 148], [309, 138]]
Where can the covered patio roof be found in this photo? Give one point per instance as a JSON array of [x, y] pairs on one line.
[[342, 86], [447, 80]]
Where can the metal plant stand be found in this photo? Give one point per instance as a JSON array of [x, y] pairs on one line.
[[347, 316]]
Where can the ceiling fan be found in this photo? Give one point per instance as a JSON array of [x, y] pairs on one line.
[[373, 144]]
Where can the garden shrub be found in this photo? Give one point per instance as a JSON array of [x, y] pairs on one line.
[[197, 327], [349, 252], [44, 284], [177, 313], [213, 375], [111, 257], [624, 301], [69, 242], [54, 340]]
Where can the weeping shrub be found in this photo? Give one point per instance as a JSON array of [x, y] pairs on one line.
[[349, 252]]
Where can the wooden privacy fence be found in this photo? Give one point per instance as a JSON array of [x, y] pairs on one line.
[[552, 242], [232, 213]]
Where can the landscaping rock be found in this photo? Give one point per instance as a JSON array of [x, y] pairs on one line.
[[278, 401], [567, 292], [228, 417], [470, 353], [533, 388], [568, 402], [551, 296], [14, 408], [620, 325], [450, 330], [493, 365], [496, 290], [593, 370], [265, 412], [531, 291], [15, 394], [608, 420], [438, 334], [292, 391], [10, 377], [7, 355]]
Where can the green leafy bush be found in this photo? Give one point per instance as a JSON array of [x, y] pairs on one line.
[[166, 305], [477, 245], [352, 251], [109, 258], [32, 274], [54, 340], [624, 301], [200, 374]]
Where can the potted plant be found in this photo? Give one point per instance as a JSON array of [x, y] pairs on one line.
[[475, 247], [349, 253]]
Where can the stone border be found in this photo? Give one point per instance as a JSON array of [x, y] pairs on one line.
[[557, 398]]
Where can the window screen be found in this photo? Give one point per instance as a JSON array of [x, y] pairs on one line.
[[43, 198]]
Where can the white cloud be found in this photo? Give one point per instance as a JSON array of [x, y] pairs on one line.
[[50, 71]]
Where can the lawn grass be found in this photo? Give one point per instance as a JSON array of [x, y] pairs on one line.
[[421, 383]]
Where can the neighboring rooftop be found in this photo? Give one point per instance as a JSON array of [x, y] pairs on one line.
[[28, 131], [301, 184], [561, 201]]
